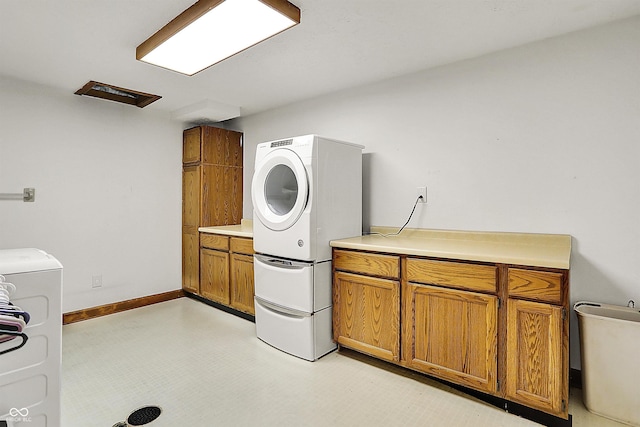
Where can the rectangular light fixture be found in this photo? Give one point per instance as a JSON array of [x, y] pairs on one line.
[[212, 30]]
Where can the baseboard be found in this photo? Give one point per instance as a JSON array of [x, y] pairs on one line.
[[222, 307], [103, 310]]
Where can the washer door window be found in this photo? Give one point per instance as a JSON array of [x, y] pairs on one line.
[[279, 189]]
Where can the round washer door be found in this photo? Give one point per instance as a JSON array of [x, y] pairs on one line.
[[279, 189]]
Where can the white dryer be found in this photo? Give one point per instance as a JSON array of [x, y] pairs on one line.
[[306, 191]]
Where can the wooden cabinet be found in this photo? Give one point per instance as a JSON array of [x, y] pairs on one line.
[[190, 224], [214, 268], [452, 335], [366, 303], [451, 327], [211, 191], [537, 340], [226, 271], [241, 286], [497, 328]]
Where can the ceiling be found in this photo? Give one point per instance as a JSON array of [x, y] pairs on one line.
[[339, 44]]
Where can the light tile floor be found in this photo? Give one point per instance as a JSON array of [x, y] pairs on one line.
[[205, 367]]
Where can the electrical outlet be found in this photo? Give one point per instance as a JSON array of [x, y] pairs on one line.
[[422, 192], [96, 281]]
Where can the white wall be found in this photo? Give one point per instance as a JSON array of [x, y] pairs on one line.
[[544, 138], [108, 191]]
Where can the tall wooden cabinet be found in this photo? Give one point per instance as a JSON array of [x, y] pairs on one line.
[[211, 191]]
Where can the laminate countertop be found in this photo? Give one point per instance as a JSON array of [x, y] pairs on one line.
[[536, 250], [244, 229]]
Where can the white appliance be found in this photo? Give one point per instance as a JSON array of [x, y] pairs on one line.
[[30, 375], [306, 191]]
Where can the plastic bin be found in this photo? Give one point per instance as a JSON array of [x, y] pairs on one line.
[[609, 349]]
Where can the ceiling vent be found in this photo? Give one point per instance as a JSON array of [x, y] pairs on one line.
[[118, 94]]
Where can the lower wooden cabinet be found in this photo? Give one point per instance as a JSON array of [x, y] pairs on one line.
[[226, 271], [496, 328], [536, 369], [241, 290], [452, 334], [214, 275], [367, 314]]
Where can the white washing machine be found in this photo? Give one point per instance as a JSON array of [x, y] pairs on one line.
[[306, 191], [30, 375]]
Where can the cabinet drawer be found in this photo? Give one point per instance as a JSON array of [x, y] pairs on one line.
[[536, 285], [242, 246], [367, 263], [214, 241], [453, 274]]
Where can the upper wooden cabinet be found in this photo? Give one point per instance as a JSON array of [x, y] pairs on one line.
[[191, 145], [210, 145], [211, 190]]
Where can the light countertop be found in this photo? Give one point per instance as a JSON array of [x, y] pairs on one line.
[[244, 229], [538, 250]]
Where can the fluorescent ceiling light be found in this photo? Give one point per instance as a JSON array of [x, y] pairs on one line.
[[213, 30]]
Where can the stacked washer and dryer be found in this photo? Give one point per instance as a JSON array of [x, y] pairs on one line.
[[306, 191]]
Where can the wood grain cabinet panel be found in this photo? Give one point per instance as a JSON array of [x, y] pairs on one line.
[[221, 195], [453, 335], [214, 275], [191, 145], [536, 285], [367, 263], [241, 283], [190, 262], [367, 314], [452, 274], [214, 241], [191, 196], [241, 245], [221, 147], [536, 376]]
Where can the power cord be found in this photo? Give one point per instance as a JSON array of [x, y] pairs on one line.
[[405, 224]]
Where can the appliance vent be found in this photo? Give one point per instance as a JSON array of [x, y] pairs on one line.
[[118, 94], [281, 143]]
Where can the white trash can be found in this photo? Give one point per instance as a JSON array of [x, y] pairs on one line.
[[609, 350]]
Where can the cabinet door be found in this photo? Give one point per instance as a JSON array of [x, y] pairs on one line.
[[221, 147], [221, 195], [190, 223], [242, 290], [214, 275], [536, 375], [452, 335], [191, 145], [190, 262], [191, 196], [367, 314]]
